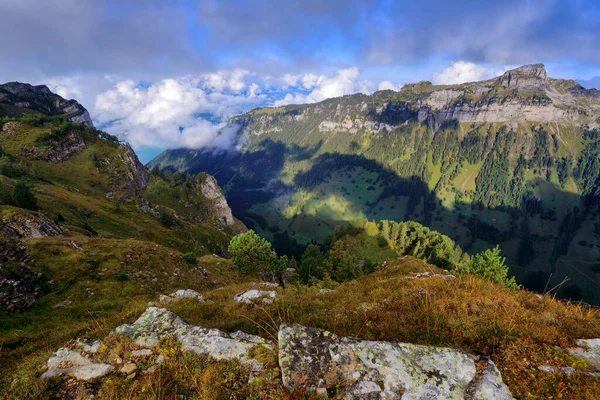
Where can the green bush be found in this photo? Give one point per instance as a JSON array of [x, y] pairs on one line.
[[122, 276], [190, 258], [253, 255], [23, 197], [311, 264], [167, 220], [490, 265]]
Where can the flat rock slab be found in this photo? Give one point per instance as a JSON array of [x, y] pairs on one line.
[[182, 294], [319, 360], [156, 323], [68, 362], [588, 350], [255, 296]]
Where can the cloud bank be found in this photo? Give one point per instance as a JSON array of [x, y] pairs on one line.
[[193, 112]]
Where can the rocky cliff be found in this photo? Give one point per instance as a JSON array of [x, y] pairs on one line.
[[17, 99]]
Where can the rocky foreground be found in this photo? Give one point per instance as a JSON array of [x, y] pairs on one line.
[[310, 359]]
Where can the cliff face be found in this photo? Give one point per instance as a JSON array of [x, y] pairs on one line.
[[17, 99], [519, 96]]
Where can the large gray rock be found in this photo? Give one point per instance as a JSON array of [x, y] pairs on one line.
[[221, 211], [318, 360], [156, 323], [588, 350], [255, 296], [71, 363], [182, 294]]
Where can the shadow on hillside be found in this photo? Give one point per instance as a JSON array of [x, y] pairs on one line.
[[255, 177]]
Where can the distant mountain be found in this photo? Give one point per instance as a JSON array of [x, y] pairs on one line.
[[593, 83], [18, 99], [511, 160]]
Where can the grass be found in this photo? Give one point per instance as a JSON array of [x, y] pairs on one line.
[[100, 301], [517, 329]]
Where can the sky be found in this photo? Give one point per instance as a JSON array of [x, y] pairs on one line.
[[169, 74]]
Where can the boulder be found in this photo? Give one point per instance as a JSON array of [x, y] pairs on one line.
[[156, 323], [254, 296], [182, 294], [71, 363], [588, 350], [319, 360]]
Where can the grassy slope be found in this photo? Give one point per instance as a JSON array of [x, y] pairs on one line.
[[76, 189], [100, 302], [518, 330]]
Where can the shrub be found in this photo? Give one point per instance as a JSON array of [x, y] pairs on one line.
[[311, 264], [342, 264], [167, 220], [253, 255], [490, 265], [190, 258], [23, 197], [122, 276]]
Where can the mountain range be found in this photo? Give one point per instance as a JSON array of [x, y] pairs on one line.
[[124, 281], [512, 161]]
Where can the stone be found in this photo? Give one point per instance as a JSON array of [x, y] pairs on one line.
[[325, 291], [316, 359], [141, 353], [62, 304], [220, 209], [156, 323], [129, 368], [131, 376], [68, 362], [254, 296], [588, 350], [88, 346], [566, 371], [182, 294]]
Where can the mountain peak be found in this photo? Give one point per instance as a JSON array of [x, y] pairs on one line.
[[532, 76], [17, 98]]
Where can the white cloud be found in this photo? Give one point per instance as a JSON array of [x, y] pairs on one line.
[[344, 82], [219, 81], [290, 80], [388, 85], [463, 71], [309, 81], [168, 113]]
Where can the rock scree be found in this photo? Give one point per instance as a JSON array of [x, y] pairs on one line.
[[320, 360]]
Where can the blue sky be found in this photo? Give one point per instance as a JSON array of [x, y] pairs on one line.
[[154, 70]]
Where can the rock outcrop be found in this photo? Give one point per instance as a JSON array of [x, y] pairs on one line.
[[254, 296], [220, 209], [319, 360], [71, 363], [71, 145], [182, 294], [39, 98], [22, 224], [588, 350], [309, 358], [156, 323], [128, 176], [19, 284]]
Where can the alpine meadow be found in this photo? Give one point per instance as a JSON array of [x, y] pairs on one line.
[[359, 200]]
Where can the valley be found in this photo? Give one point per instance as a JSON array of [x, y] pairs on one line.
[[509, 161]]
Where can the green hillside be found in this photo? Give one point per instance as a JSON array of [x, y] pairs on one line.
[[510, 161]]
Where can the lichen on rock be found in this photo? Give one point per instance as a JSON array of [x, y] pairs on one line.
[[319, 360]]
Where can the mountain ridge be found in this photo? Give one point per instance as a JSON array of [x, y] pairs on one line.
[[511, 160], [18, 98]]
